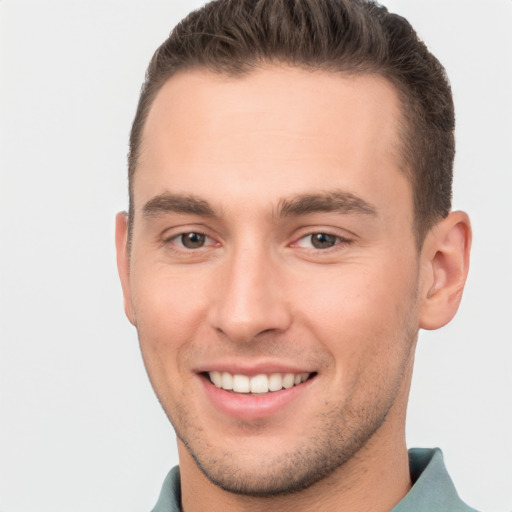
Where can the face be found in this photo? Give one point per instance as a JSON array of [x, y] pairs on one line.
[[273, 275]]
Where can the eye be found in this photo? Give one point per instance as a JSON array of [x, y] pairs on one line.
[[191, 240], [319, 241]]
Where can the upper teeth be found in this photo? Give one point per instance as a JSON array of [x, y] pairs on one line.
[[258, 384]]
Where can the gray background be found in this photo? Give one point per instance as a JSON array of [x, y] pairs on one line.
[[80, 429]]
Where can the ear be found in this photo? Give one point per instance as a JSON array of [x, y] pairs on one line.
[[123, 263], [445, 264]]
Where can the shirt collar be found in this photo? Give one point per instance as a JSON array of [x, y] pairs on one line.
[[432, 488]]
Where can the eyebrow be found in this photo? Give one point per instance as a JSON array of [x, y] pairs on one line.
[[336, 201], [305, 204], [176, 203]]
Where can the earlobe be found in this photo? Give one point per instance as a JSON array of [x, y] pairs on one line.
[[445, 264], [123, 263]]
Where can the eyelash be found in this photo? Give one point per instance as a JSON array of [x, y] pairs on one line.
[[173, 240], [177, 240], [338, 241]]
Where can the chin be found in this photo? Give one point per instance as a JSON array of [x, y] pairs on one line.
[[265, 472]]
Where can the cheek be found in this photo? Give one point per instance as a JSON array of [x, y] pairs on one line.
[[360, 312], [168, 311], [168, 300]]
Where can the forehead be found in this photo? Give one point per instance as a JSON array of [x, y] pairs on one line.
[[276, 128]]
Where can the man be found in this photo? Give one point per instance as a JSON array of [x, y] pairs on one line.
[[289, 233]]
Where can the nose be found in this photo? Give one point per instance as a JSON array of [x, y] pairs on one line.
[[250, 298]]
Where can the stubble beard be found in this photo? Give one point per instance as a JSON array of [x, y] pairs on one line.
[[329, 447], [339, 436]]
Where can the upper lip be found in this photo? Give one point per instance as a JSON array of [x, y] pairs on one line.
[[252, 369]]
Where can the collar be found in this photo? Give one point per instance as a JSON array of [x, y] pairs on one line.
[[432, 487]]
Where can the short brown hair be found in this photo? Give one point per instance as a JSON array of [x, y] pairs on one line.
[[234, 37]]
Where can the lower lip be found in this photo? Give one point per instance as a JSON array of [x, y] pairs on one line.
[[252, 407]]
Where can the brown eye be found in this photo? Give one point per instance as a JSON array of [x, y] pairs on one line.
[[323, 240], [192, 240]]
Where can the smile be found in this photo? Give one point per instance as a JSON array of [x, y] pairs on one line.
[[257, 384]]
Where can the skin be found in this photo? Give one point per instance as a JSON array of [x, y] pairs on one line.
[[233, 159]]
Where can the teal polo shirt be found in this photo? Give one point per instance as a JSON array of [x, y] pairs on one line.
[[432, 489]]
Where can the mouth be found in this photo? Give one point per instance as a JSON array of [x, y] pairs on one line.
[[256, 394], [260, 384]]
